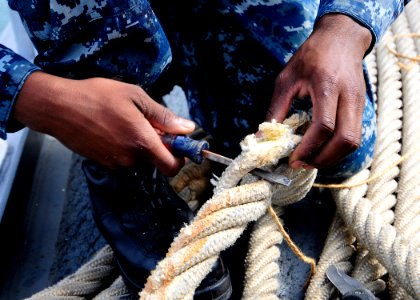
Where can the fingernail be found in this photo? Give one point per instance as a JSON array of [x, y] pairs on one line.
[[187, 124], [307, 167], [297, 164]]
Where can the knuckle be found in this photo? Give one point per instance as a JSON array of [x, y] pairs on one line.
[[354, 92], [280, 78], [166, 116], [143, 107], [326, 125], [140, 93], [328, 89], [283, 79], [326, 75], [332, 79], [350, 141], [140, 99], [356, 99]]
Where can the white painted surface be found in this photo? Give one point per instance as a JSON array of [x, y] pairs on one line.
[[3, 150], [9, 166], [4, 15], [12, 35]]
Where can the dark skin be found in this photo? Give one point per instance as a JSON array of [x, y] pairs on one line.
[[328, 68], [114, 123], [117, 124]]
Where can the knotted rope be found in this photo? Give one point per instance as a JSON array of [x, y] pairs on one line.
[[223, 218], [365, 207]]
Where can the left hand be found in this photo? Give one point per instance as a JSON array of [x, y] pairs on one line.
[[328, 68]]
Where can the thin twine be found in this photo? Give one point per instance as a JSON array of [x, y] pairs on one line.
[[370, 179], [414, 59], [292, 245]]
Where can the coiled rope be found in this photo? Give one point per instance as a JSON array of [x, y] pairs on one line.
[[338, 248], [86, 281], [365, 204], [381, 191], [407, 210]]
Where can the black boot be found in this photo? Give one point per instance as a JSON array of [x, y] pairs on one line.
[[138, 213]]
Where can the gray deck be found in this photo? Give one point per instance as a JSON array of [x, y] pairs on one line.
[[48, 231]]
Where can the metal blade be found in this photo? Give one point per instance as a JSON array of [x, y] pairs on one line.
[[346, 284], [275, 178]]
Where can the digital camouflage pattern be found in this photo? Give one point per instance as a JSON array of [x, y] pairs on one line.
[[226, 53], [13, 71]]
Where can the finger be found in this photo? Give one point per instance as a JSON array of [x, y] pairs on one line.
[[153, 149], [162, 118], [324, 109], [347, 136], [285, 89]]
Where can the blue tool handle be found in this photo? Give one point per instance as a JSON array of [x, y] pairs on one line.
[[183, 146]]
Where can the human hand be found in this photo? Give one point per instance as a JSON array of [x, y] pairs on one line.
[[110, 122], [328, 68]]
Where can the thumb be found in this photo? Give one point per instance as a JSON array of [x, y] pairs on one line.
[[162, 118]]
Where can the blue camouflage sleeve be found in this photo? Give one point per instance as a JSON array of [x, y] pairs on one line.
[[376, 15], [14, 70]]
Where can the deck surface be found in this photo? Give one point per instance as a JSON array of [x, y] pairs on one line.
[[51, 230]]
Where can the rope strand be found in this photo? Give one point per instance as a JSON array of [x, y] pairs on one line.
[[293, 246]]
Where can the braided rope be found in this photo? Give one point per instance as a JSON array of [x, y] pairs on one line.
[[88, 280], [338, 247], [397, 249], [381, 191], [372, 69], [337, 251], [412, 12], [223, 218], [117, 290], [407, 212], [393, 251], [262, 258], [192, 183]]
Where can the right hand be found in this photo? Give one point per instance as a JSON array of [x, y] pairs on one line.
[[110, 122]]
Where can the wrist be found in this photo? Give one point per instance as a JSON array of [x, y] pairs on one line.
[[346, 32], [39, 103]]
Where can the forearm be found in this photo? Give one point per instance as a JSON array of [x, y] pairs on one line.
[[14, 70], [110, 122], [42, 103]]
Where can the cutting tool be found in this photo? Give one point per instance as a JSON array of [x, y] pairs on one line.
[[350, 288], [198, 150]]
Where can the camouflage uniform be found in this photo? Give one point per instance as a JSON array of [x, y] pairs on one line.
[[227, 52]]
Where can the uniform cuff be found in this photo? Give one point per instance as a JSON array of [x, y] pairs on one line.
[[14, 70], [376, 16]]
